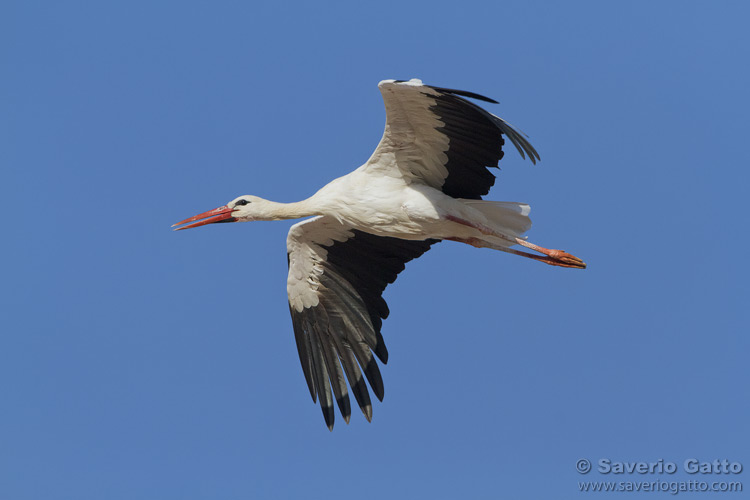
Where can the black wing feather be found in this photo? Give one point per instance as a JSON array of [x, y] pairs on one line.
[[343, 329], [463, 93], [475, 142]]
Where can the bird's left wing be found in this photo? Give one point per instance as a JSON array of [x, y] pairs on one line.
[[435, 136], [336, 278]]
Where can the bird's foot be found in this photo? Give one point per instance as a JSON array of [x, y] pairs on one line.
[[563, 259], [554, 257]]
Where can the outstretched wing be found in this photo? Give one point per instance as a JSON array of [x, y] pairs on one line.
[[435, 136], [336, 278]]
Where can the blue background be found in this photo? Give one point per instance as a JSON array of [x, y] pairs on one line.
[[141, 363]]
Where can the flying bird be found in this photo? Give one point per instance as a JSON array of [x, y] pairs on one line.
[[423, 184]]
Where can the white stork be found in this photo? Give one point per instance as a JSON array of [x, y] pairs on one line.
[[423, 184]]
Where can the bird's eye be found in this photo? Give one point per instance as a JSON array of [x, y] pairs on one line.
[[242, 203]]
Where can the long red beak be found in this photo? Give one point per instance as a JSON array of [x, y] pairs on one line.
[[221, 214]]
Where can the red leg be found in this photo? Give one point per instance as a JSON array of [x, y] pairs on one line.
[[553, 257]]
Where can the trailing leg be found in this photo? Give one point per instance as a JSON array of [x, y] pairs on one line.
[[551, 257]]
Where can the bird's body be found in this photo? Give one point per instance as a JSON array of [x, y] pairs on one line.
[[385, 206], [372, 209], [423, 184]]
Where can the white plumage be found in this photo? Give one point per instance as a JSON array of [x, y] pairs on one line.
[[423, 184]]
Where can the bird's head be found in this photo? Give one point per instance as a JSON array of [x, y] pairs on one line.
[[242, 209]]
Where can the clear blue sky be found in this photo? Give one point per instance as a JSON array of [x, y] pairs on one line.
[[141, 363]]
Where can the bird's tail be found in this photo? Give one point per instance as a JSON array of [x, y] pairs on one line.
[[507, 217]]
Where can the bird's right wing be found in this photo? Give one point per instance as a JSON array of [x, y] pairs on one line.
[[336, 278]]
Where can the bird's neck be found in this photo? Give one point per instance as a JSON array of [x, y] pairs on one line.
[[295, 210]]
